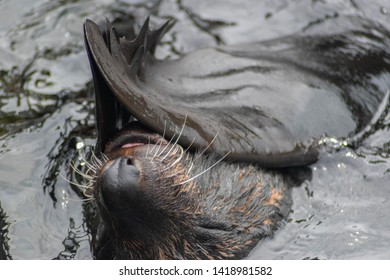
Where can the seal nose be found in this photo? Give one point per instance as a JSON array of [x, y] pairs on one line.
[[120, 183]]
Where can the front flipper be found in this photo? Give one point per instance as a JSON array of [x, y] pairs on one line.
[[252, 105]]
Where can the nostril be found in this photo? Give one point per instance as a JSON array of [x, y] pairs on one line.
[[129, 161]]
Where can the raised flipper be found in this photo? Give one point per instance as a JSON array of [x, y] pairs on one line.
[[265, 102]]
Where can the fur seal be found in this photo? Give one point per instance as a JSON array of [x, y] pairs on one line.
[[182, 141]]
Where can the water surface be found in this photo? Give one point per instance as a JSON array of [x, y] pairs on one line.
[[46, 117]]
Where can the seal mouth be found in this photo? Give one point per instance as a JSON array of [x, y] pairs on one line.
[[131, 136]]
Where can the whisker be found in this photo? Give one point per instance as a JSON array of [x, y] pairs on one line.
[[76, 184], [208, 146], [204, 171], [177, 139], [78, 171], [182, 129], [152, 149], [159, 147], [163, 135], [189, 169], [180, 156], [170, 141], [89, 195], [90, 166], [147, 151], [181, 149], [81, 199], [105, 158], [168, 153], [175, 162], [96, 160], [173, 175], [189, 146], [165, 127]]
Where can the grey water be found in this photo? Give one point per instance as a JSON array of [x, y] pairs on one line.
[[340, 211]]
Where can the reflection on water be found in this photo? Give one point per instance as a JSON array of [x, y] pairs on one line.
[[46, 109]]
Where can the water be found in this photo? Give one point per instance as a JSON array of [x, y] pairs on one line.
[[46, 116]]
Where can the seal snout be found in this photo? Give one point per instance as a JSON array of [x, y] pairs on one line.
[[120, 183]]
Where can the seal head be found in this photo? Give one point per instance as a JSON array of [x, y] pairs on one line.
[[158, 201]]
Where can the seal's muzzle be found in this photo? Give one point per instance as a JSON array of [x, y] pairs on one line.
[[120, 183]]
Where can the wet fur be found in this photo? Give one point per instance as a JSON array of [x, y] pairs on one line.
[[221, 214]]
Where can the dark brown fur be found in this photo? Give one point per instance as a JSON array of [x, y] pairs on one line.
[[220, 214]]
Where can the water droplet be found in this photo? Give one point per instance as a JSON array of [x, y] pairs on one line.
[[351, 155], [341, 165], [65, 199], [79, 145]]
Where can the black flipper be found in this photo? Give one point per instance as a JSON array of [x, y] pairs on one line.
[[259, 102]]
